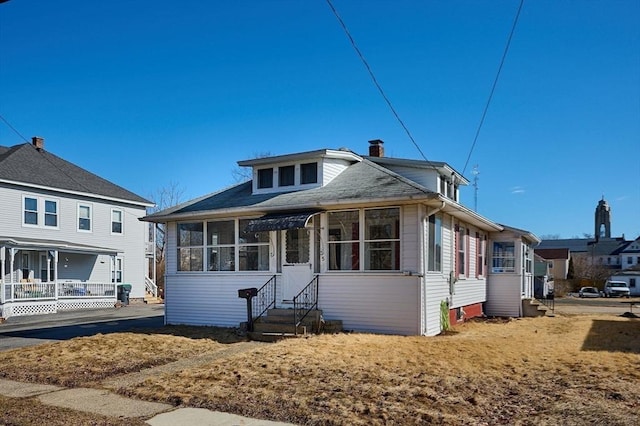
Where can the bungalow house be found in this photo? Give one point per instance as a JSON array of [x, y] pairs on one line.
[[68, 238], [380, 243]]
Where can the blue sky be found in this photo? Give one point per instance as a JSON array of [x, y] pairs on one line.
[[153, 93]]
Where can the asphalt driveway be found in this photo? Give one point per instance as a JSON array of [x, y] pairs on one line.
[[32, 330]]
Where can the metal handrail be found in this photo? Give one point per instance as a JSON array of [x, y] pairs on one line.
[[548, 301], [265, 298], [305, 302]]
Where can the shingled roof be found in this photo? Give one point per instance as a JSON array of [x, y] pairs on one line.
[[26, 164], [361, 182]]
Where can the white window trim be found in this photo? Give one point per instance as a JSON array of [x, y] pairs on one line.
[[40, 211], [90, 206], [121, 233]]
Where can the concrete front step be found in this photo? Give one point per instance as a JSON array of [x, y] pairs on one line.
[[268, 327], [151, 300], [533, 308]]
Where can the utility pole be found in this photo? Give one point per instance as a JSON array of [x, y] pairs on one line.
[[475, 172]]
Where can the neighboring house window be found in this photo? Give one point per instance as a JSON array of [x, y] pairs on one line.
[[462, 251], [632, 282], [220, 245], [116, 221], [190, 246], [629, 260], [344, 240], [435, 244], [309, 173], [480, 248], [265, 178], [30, 211], [504, 257], [46, 268], [26, 269], [382, 239], [253, 249], [286, 175], [443, 186], [116, 270], [51, 213], [84, 217]]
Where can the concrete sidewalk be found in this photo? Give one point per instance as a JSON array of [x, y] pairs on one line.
[[106, 403]]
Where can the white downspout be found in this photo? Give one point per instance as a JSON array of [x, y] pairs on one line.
[[3, 253]]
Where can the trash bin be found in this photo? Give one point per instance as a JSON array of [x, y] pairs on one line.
[[123, 293]]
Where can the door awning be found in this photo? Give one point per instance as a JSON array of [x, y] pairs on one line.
[[280, 221]]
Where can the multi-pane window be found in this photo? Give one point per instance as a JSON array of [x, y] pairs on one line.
[[462, 251], [30, 211], [297, 246], [190, 246], [344, 240], [286, 175], [84, 218], [228, 247], [39, 211], [435, 244], [220, 245], [50, 213], [504, 257], [265, 178], [382, 239], [116, 221], [253, 248], [308, 173]]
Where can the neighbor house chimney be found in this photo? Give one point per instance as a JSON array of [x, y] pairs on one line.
[[375, 148], [38, 142]]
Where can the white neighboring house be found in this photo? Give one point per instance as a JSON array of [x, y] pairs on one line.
[[381, 244], [68, 238]]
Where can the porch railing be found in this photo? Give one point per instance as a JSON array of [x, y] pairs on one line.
[[60, 290], [150, 286], [265, 299], [305, 302], [549, 301]]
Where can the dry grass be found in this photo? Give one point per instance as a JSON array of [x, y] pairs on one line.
[[88, 360], [569, 370], [31, 412]]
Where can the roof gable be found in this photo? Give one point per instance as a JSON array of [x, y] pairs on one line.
[[25, 164]]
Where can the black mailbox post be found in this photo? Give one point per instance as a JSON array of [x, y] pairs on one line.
[[248, 293]]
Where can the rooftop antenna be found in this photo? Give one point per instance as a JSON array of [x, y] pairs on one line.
[[475, 173]]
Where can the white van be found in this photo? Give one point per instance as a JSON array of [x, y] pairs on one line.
[[616, 288]]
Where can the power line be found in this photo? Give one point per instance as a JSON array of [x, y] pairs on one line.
[[375, 81], [13, 128], [495, 83]]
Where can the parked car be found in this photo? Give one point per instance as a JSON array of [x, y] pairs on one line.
[[589, 292], [616, 288]]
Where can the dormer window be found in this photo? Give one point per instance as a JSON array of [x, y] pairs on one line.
[[265, 178], [286, 176], [309, 173]]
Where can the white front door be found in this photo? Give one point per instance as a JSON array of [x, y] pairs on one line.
[[297, 269]]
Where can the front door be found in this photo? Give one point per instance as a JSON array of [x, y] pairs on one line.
[[297, 269]]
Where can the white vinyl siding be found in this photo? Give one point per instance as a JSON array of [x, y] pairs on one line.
[[130, 245]]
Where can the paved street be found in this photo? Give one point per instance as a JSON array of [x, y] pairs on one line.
[[23, 331]]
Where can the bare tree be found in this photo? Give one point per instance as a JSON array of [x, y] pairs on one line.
[[244, 174], [164, 198]]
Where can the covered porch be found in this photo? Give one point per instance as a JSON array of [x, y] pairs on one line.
[[41, 277]]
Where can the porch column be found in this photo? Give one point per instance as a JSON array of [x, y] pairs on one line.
[[55, 271], [12, 254]]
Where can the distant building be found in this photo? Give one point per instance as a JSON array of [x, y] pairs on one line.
[[617, 253]]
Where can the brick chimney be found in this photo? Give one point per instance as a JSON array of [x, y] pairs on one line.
[[375, 148], [38, 142]]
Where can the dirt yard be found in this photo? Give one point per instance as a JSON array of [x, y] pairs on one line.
[[570, 370]]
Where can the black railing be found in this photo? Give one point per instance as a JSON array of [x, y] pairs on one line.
[[549, 301], [265, 299], [305, 302]]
